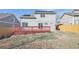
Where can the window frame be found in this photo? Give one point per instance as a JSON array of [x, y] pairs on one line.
[[42, 15], [40, 25], [24, 24]]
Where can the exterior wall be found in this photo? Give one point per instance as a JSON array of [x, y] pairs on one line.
[[66, 19], [50, 19], [76, 20], [76, 11], [5, 24], [31, 22]]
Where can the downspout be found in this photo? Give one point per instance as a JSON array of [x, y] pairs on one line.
[[73, 20]]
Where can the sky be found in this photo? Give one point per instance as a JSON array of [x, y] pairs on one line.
[[19, 12]]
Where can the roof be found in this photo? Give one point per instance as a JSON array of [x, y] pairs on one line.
[[27, 17], [76, 10], [3, 15], [44, 12], [71, 13]]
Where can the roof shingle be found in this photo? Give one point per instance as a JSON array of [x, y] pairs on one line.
[[44, 12]]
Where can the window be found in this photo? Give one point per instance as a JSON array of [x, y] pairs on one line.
[[24, 24], [76, 22], [46, 23], [40, 25], [42, 15], [76, 19]]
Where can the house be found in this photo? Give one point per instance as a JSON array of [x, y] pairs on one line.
[[8, 20], [70, 17], [70, 21], [39, 21], [8, 24]]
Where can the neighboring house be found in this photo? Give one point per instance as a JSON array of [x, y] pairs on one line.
[[8, 24], [39, 20], [70, 17], [8, 20]]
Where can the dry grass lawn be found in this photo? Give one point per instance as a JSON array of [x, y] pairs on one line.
[[54, 40]]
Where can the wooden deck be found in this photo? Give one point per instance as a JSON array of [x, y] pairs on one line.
[[31, 30]]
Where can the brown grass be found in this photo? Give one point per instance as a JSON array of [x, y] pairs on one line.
[[4, 31], [54, 40]]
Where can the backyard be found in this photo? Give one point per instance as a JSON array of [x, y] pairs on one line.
[[53, 40]]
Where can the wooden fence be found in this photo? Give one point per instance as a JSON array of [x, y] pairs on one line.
[[69, 28]]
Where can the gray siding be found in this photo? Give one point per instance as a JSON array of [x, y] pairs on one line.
[[2, 24], [9, 21]]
